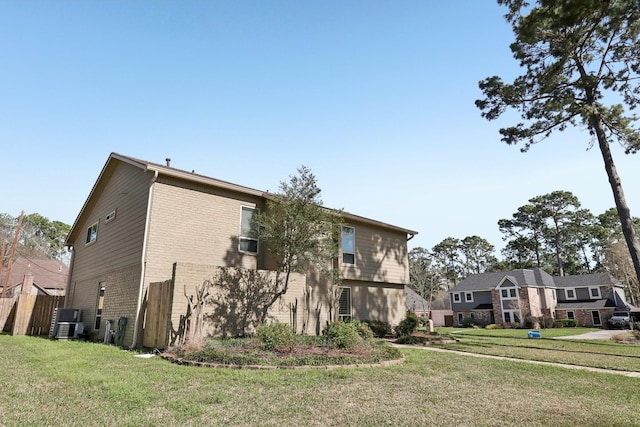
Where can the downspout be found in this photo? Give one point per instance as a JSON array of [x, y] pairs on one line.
[[71, 249], [143, 263]]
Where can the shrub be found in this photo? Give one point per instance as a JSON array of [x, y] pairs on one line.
[[408, 325], [379, 328], [275, 335], [363, 329], [342, 335], [491, 326], [468, 322]]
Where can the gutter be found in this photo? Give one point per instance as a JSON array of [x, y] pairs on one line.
[[143, 263]]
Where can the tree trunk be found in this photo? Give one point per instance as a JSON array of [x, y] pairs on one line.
[[616, 186]]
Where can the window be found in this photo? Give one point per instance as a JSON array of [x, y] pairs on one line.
[[460, 318], [348, 245], [92, 233], [509, 293], [507, 317], [110, 216], [456, 297], [468, 296], [344, 308], [571, 293], [594, 293], [570, 315], [99, 307], [595, 316], [248, 241]]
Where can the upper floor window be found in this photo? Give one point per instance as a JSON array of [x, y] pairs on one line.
[[92, 233], [468, 296], [248, 240], [570, 293], [456, 297], [594, 292], [348, 245], [508, 293]]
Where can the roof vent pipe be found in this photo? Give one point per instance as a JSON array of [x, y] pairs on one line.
[[168, 160]]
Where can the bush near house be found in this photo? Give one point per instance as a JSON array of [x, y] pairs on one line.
[[565, 323], [408, 325], [379, 328]]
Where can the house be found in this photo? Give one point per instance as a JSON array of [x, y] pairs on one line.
[[532, 295], [146, 224], [41, 276], [439, 310]]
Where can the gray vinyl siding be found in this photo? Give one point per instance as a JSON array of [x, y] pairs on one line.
[[479, 297], [381, 256]]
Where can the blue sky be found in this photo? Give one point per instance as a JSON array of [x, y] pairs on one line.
[[376, 97]]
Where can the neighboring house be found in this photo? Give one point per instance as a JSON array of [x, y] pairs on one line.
[[439, 310], [41, 276], [509, 297], [145, 223]]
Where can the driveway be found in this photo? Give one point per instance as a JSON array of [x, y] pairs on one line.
[[605, 334]]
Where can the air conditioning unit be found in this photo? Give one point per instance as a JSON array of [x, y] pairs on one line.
[[65, 323]]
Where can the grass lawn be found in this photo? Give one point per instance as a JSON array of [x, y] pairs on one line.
[[514, 343], [74, 383]]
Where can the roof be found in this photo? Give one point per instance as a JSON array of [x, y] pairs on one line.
[[205, 180], [593, 304], [416, 302], [47, 273], [536, 278], [488, 281], [582, 280]]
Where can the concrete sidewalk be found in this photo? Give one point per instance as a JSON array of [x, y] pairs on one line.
[[535, 362]]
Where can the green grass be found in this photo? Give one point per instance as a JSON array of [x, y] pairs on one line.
[[72, 383], [514, 343]]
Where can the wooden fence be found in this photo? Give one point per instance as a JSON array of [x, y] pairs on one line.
[[28, 314]]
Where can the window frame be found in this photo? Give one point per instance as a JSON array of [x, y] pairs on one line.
[[349, 315], [593, 318], [566, 294], [456, 297], [571, 315], [460, 318], [242, 237], [97, 324], [508, 290], [597, 289], [468, 297], [342, 245], [92, 233]]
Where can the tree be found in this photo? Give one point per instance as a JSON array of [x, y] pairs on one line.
[[298, 233], [582, 62], [446, 256], [526, 230], [39, 236], [424, 277], [477, 255]]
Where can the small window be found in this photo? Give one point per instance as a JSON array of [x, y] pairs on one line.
[[92, 233], [595, 293], [468, 296], [99, 307], [456, 297], [110, 216], [248, 241], [348, 245], [460, 318], [570, 315], [509, 293], [344, 308], [571, 293], [507, 317]]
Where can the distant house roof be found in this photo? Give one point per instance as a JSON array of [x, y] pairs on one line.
[[535, 277], [47, 273], [180, 174], [582, 280], [416, 302], [594, 304]]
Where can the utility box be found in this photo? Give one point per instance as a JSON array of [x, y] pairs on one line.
[[534, 334]]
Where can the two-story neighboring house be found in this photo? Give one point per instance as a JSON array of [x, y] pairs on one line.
[[509, 297], [145, 223]]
